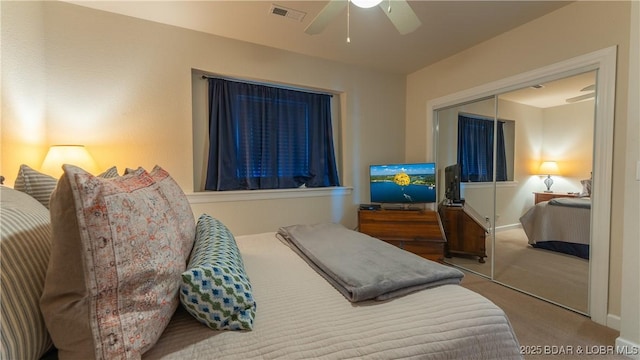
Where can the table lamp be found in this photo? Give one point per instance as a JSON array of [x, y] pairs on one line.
[[67, 154], [549, 168]]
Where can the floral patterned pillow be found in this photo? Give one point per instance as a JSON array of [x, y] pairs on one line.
[[118, 249]]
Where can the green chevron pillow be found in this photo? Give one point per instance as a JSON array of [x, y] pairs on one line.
[[215, 288]]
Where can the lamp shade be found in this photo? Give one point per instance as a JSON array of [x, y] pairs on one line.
[[549, 168], [365, 4], [67, 154]]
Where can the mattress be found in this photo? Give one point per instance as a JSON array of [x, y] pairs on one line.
[[301, 316]]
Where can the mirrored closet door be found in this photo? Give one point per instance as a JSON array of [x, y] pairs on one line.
[[468, 223], [525, 211]]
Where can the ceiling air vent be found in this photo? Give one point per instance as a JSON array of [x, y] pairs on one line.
[[286, 12]]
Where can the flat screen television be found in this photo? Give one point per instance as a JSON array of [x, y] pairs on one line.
[[403, 183], [452, 184]]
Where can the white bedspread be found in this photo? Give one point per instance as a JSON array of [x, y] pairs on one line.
[[301, 316]]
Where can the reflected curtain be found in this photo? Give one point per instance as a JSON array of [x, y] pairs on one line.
[[475, 150]]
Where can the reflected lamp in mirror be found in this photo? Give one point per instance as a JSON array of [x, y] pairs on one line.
[[67, 154], [549, 168]]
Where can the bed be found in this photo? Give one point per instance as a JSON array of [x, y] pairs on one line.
[[299, 314], [561, 224]]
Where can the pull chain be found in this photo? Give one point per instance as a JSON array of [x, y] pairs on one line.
[[348, 21]]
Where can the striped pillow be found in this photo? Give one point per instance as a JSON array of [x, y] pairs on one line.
[[40, 186], [109, 173], [25, 245]]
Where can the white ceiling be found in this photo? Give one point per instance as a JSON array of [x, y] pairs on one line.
[[448, 27], [554, 93]]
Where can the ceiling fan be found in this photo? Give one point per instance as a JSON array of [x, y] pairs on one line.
[[398, 11]]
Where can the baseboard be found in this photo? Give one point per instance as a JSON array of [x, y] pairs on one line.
[[508, 227], [613, 322], [627, 348]]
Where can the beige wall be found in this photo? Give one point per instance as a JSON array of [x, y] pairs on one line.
[[630, 330], [568, 139], [558, 36], [22, 48], [122, 87]]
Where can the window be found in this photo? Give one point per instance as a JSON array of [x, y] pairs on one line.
[[265, 137], [475, 149]]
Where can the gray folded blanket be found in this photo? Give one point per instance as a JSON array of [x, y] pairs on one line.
[[584, 203], [362, 267]]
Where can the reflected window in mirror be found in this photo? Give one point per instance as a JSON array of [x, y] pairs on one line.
[[476, 146]]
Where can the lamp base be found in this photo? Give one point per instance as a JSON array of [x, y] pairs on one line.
[[548, 182]]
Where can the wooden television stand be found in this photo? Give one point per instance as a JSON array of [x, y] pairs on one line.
[[417, 231], [465, 231]]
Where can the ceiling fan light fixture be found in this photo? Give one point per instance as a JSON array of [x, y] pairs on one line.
[[365, 4], [403, 17]]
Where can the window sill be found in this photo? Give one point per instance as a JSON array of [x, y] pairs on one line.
[[488, 184], [251, 195]]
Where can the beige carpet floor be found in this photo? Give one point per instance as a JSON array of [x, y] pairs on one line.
[[546, 328], [559, 278]]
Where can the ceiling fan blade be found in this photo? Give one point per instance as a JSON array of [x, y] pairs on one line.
[[401, 15], [581, 97], [324, 17], [589, 88]]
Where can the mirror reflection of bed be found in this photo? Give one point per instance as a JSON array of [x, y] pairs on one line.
[[561, 225], [538, 247]]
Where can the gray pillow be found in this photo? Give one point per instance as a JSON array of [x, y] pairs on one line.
[[586, 188], [38, 185]]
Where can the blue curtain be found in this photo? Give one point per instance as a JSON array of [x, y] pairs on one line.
[[475, 150], [263, 137]]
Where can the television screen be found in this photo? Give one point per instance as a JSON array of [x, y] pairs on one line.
[[452, 183], [403, 183]]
